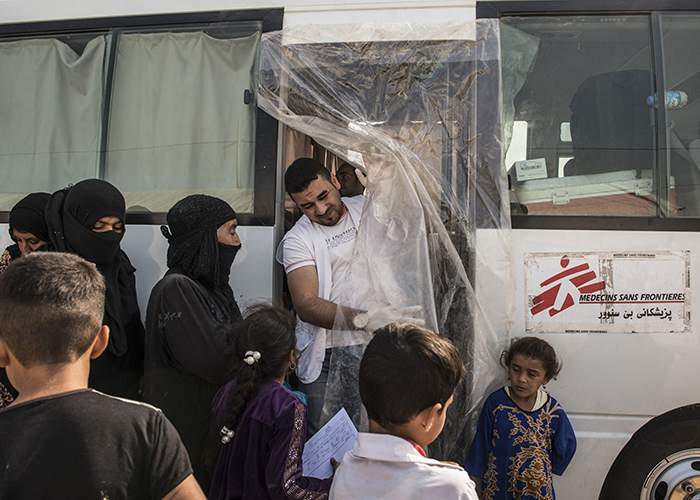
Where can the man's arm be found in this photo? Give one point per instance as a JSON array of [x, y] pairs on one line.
[[187, 490], [303, 286]]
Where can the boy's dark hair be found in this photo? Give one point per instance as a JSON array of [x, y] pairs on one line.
[[406, 369], [302, 172], [51, 307], [536, 348]]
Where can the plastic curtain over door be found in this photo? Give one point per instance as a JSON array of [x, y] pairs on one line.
[[418, 109]]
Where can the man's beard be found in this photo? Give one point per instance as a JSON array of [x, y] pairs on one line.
[[330, 219]]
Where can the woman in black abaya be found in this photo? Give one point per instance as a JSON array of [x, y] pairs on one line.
[[29, 233], [87, 219], [186, 346], [27, 228]]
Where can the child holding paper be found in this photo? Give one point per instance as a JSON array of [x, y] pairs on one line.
[[260, 426], [407, 378]]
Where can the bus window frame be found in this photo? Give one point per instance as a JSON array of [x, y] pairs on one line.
[[266, 127], [654, 9]]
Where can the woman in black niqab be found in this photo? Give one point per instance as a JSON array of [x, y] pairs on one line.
[[194, 248], [87, 219], [27, 228], [187, 349]]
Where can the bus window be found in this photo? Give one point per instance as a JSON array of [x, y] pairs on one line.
[[591, 141], [682, 86], [161, 110], [51, 95], [167, 135]]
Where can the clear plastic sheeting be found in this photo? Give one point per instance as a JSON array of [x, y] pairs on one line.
[[418, 109]]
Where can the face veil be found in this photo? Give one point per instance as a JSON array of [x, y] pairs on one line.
[[71, 215], [194, 249]]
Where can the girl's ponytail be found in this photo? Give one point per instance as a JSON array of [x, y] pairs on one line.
[[248, 379]]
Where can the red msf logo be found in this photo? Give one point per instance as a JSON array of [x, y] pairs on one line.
[[557, 300]]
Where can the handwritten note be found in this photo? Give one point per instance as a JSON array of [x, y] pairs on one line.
[[334, 439]]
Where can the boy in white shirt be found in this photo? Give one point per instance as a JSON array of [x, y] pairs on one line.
[[407, 377]]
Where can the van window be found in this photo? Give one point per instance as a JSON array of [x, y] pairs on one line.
[[179, 123], [51, 93], [160, 112], [591, 138]]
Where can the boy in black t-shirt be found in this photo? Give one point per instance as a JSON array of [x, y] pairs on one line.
[[60, 439]]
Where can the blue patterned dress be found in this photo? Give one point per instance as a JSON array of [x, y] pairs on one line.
[[515, 452]]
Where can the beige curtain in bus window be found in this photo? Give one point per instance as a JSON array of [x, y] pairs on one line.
[[50, 115], [178, 122]]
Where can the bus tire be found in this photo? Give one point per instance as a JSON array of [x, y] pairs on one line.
[[660, 457]]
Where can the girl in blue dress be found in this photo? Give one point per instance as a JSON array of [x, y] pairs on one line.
[[523, 435]]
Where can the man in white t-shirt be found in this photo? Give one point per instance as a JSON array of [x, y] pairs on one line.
[[316, 255]]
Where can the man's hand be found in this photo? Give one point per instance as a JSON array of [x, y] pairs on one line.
[[382, 315]]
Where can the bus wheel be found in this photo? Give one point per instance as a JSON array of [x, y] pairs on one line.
[[660, 462]]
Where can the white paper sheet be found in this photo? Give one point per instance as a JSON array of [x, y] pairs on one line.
[[334, 439]]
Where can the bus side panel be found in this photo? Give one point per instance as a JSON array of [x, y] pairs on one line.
[[610, 384], [251, 274]]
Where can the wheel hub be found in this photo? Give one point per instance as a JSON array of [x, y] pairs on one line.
[[677, 477]]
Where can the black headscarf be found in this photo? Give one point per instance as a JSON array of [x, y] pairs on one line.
[[194, 249], [71, 215], [27, 215]]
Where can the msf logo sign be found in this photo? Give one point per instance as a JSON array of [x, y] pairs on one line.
[[564, 286]]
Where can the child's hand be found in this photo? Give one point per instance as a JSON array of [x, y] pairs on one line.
[[335, 464]]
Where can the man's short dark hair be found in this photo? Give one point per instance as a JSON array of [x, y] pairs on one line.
[[406, 369], [302, 172], [51, 307]]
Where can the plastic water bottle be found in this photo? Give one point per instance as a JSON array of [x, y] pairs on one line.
[[675, 99]]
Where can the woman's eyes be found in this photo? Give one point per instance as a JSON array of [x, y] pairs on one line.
[[116, 227]]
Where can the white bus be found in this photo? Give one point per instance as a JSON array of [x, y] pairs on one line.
[[602, 174]]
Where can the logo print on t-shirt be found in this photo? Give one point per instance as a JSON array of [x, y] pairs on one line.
[[340, 238]]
